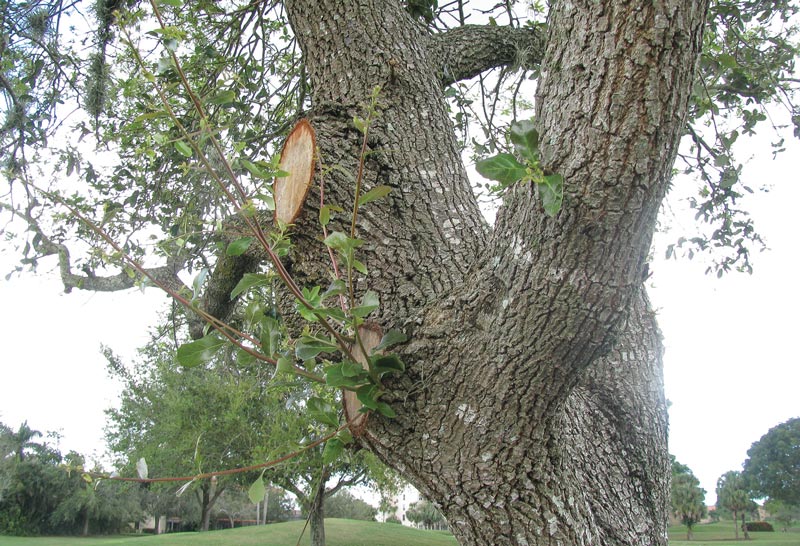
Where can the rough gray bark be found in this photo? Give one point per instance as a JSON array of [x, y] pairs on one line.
[[532, 411]]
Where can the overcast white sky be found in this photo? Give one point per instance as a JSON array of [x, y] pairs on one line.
[[731, 362]]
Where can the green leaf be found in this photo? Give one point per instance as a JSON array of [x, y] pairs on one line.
[[375, 193], [525, 139], [503, 168], [268, 200], [196, 353], [332, 451], [369, 303], [387, 364], [359, 124], [309, 347], [255, 169], [336, 287], [386, 410], [223, 97], [257, 491], [325, 215], [332, 312], [239, 246], [335, 378], [339, 241], [368, 395], [360, 267], [271, 334], [352, 369], [184, 149], [345, 436], [197, 283], [390, 339], [322, 411], [284, 365], [173, 3], [552, 190], [248, 281], [244, 359]]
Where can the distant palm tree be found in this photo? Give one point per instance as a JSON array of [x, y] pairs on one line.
[[22, 440]]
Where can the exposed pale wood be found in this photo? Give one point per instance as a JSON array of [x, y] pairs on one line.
[[371, 335], [297, 158]]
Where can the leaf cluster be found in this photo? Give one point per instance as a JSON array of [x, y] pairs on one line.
[[508, 169]]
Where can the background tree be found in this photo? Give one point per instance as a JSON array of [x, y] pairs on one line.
[[93, 507], [424, 514], [529, 339], [773, 464], [33, 485], [344, 505], [783, 513], [183, 420], [23, 441], [316, 477], [734, 497], [687, 497], [228, 414], [45, 493], [235, 504]]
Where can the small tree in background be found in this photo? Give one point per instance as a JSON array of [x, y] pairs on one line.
[[687, 497], [345, 505], [784, 513], [424, 513], [733, 496]]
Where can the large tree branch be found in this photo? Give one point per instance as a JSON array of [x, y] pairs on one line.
[[166, 275], [611, 106], [467, 51]]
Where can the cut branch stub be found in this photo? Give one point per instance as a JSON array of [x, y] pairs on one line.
[[297, 159], [370, 335]]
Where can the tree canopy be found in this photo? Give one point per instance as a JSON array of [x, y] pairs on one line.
[[773, 464]]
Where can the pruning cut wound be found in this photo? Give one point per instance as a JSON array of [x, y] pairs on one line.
[[297, 159]]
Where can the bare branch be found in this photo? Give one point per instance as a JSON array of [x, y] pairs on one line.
[[166, 274]]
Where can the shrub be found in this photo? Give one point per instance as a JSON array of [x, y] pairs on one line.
[[393, 519], [758, 526]]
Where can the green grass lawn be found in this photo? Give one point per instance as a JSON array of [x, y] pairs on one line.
[[338, 532], [722, 534], [341, 532]]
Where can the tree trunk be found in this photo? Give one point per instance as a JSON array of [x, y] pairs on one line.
[[85, 530], [210, 494], [532, 408], [736, 524], [316, 516]]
